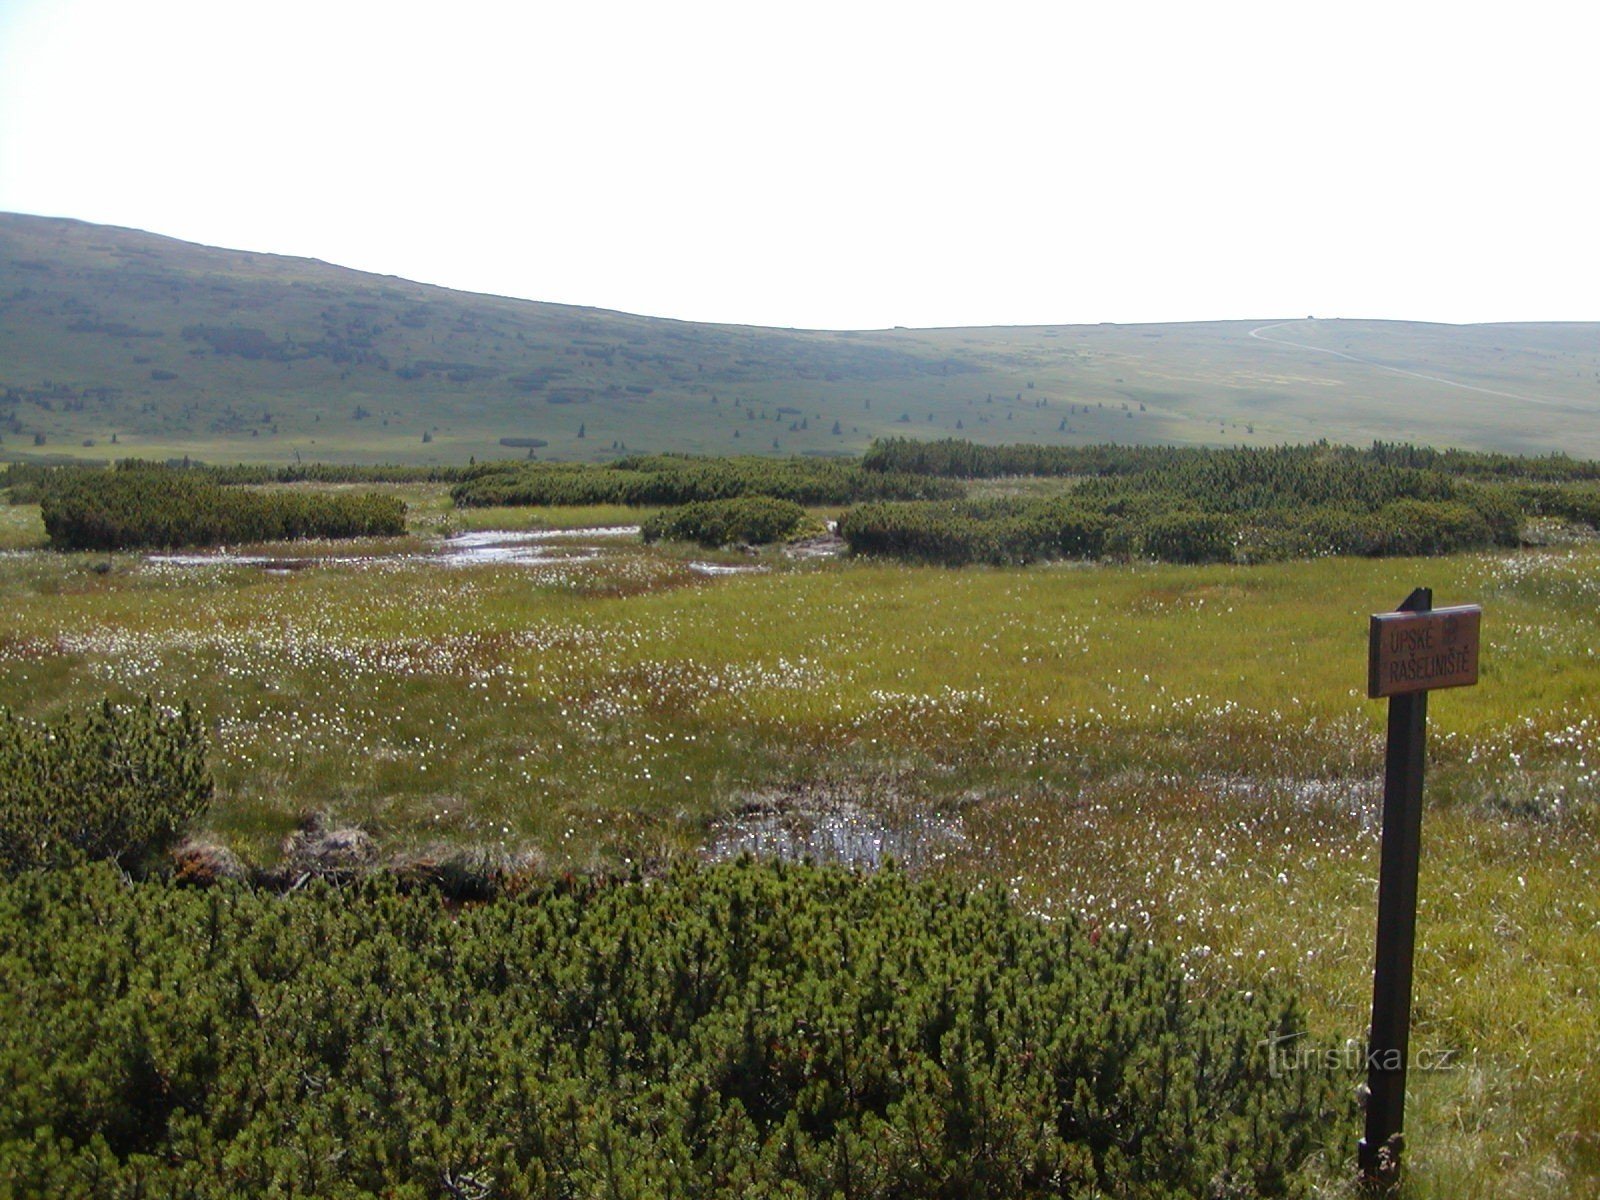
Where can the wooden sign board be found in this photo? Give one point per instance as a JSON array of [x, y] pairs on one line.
[[1421, 651]]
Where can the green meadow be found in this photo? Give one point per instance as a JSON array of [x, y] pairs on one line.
[[1186, 751]]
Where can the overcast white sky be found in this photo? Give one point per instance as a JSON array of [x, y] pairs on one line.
[[844, 165]]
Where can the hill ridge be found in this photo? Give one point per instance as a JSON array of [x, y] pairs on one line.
[[117, 342]]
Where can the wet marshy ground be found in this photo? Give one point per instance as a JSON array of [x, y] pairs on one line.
[[816, 825], [542, 548], [483, 548]]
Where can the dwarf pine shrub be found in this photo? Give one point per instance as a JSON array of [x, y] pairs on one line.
[[660, 479], [734, 1031], [957, 458], [1193, 505], [139, 504], [118, 783], [754, 519]]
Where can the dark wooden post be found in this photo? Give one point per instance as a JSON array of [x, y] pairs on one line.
[[1410, 653], [1388, 1044]]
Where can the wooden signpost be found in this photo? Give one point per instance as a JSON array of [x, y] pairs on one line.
[[1411, 652]]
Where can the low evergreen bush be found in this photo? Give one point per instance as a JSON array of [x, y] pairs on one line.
[[256, 473], [112, 783], [735, 1031], [141, 505], [1197, 505], [960, 459], [976, 531], [753, 519], [662, 479]]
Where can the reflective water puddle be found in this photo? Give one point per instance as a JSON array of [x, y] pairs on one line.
[[483, 548], [488, 547], [842, 832]]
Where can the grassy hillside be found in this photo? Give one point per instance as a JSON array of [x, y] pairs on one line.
[[229, 356]]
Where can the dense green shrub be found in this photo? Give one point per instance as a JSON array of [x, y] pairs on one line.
[[734, 1031], [1486, 465], [955, 458], [1157, 526], [115, 783], [1579, 504], [139, 505], [1308, 533], [959, 459], [1192, 506], [753, 519], [1188, 537], [28, 482], [976, 531], [1406, 527], [680, 479], [351, 473], [1417, 527]]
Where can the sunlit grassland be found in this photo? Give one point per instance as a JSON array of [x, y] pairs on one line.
[[429, 511], [1189, 751], [583, 516], [20, 527]]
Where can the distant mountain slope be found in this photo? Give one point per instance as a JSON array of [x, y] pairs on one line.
[[174, 348]]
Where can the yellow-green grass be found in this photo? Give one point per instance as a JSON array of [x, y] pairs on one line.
[[429, 511], [20, 527], [583, 516], [1189, 751]]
